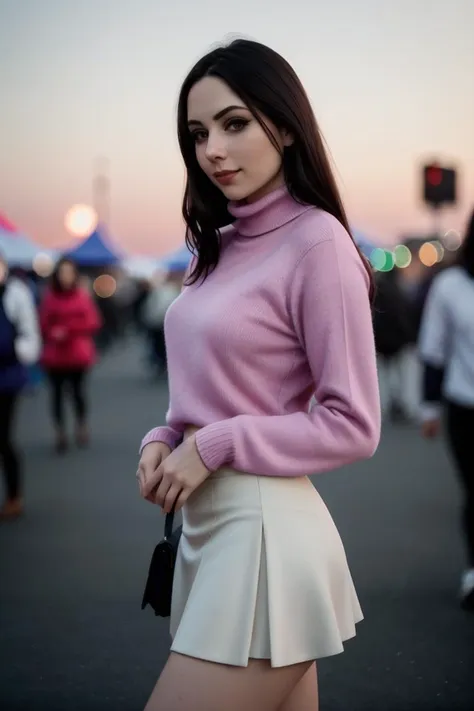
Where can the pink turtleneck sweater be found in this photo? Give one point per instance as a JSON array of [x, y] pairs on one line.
[[285, 315]]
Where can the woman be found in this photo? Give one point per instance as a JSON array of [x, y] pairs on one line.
[[19, 348], [447, 351], [69, 320], [276, 308]]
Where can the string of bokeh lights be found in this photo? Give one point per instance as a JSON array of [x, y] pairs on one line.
[[429, 253], [81, 220]]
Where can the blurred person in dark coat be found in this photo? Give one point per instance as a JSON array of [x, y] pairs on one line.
[[394, 328], [19, 348]]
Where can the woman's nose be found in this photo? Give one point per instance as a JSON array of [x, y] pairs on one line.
[[215, 147]]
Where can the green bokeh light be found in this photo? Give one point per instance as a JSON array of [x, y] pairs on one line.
[[402, 256], [378, 258], [382, 260]]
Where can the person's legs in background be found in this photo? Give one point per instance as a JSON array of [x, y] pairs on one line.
[[9, 458], [410, 382], [57, 380], [460, 429], [405, 374], [77, 379], [385, 384], [160, 345]]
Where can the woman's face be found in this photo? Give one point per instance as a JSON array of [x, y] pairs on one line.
[[3, 271], [232, 148], [67, 275]]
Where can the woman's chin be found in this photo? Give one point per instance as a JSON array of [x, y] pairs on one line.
[[253, 193], [236, 193], [241, 191]]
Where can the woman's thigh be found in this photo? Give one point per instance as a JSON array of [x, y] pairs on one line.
[[190, 684], [304, 696]]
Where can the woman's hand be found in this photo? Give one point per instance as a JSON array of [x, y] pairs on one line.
[[430, 429], [175, 479], [154, 453]]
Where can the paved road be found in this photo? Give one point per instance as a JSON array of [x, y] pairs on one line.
[[73, 637]]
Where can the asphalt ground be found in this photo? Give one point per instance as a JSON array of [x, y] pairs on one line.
[[72, 570]]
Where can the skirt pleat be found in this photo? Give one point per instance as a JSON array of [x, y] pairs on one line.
[[261, 573]]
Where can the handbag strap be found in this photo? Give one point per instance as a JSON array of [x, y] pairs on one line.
[[170, 516], [169, 523]]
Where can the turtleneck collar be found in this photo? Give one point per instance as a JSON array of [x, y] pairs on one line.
[[267, 214]]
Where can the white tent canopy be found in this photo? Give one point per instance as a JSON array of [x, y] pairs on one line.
[[19, 251], [141, 267]]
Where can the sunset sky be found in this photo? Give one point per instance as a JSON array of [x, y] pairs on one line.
[[391, 82]]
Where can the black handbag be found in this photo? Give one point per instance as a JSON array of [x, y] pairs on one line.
[[159, 584]]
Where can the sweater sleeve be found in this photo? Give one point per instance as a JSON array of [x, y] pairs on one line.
[[433, 346], [28, 340], [434, 338], [331, 312], [164, 434]]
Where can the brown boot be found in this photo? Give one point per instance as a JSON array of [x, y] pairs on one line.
[[61, 443], [82, 435], [12, 508]]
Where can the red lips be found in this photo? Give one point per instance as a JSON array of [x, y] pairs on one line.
[[225, 176]]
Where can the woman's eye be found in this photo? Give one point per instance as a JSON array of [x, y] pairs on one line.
[[236, 124], [198, 136]]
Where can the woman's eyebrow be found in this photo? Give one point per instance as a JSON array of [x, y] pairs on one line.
[[219, 114]]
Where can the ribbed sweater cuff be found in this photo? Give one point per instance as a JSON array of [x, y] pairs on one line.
[[215, 444], [167, 435]]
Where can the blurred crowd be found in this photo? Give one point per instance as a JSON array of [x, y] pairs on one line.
[[400, 300], [52, 332]]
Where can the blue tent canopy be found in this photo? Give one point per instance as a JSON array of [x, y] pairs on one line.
[[94, 251], [365, 243], [176, 261]]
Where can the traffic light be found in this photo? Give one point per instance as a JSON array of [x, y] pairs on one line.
[[439, 185]]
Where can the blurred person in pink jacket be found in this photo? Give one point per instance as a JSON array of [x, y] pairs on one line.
[[69, 319]]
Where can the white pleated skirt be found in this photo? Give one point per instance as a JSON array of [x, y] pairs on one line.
[[261, 573]]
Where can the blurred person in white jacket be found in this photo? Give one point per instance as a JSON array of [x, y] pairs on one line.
[[20, 345], [446, 348], [154, 311]]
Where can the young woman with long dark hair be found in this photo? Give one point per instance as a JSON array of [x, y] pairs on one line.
[[69, 320], [447, 351], [276, 309]]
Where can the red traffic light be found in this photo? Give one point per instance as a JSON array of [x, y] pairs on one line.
[[434, 175], [439, 185]]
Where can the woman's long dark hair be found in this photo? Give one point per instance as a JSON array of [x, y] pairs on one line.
[[466, 252], [268, 86], [55, 283]]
